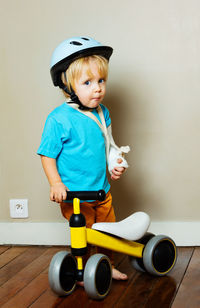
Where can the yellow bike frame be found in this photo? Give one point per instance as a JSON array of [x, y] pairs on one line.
[[80, 236]]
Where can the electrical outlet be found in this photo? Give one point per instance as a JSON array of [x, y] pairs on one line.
[[19, 208]]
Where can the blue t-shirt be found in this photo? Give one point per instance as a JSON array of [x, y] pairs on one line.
[[77, 143]]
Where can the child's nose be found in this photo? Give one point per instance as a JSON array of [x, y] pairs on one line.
[[97, 87]]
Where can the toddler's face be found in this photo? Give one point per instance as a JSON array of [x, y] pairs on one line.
[[90, 87]]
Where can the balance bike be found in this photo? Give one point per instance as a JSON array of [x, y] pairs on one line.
[[148, 253]]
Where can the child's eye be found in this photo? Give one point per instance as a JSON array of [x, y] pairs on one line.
[[87, 82], [101, 80]]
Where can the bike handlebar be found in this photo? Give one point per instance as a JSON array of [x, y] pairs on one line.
[[86, 195]]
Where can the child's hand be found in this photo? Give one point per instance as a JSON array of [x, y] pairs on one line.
[[58, 192], [117, 171]]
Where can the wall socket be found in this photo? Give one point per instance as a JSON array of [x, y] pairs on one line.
[[19, 208]]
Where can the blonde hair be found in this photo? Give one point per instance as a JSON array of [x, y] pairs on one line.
[[74, 70]]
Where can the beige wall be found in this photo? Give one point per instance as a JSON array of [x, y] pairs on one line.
[[153, 95]]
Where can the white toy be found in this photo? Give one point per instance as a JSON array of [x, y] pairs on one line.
[[116, 153]]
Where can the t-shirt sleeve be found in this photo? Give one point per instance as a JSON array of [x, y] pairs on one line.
[[51, 141], [106, 115]]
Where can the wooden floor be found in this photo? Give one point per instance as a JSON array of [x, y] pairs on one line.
[[24, 282]]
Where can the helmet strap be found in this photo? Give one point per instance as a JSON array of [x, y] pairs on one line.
[[73, 96]]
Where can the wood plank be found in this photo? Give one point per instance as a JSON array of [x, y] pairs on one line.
[[47, 299], [24, 279], [3, 249], [118, 259], [27, 295], [189, 291], [166, 287], [137, 291], [146, 289], [17, 264], [28, 273], [11, 254]]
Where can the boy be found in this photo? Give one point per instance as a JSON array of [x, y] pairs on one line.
[[77, 136]]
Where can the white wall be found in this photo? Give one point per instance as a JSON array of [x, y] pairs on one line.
[[153, 96]]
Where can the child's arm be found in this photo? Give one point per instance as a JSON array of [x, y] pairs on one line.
[[57, 188]]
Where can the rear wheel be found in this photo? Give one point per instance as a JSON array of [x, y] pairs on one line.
[[160, 255], [137, 263]]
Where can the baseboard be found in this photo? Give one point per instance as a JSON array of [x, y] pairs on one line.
[[183, 233], [34, 233], [45, 233]]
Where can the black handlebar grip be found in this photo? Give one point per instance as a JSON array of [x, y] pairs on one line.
[[86, 195]]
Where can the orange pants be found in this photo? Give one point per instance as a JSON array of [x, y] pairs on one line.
[[96, 211]]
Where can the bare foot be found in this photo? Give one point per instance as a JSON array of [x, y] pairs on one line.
[[118, 275]]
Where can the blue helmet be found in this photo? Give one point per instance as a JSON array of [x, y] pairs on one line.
[[72, 49]]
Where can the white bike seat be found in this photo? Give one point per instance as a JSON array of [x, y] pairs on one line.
[[131, 228]]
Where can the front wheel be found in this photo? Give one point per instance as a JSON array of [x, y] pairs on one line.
[[62, 273], [97, 276], [160, 255]]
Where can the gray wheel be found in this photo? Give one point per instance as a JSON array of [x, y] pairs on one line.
[[159, 256], [97, 276], [135, 264], [62, 273]]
